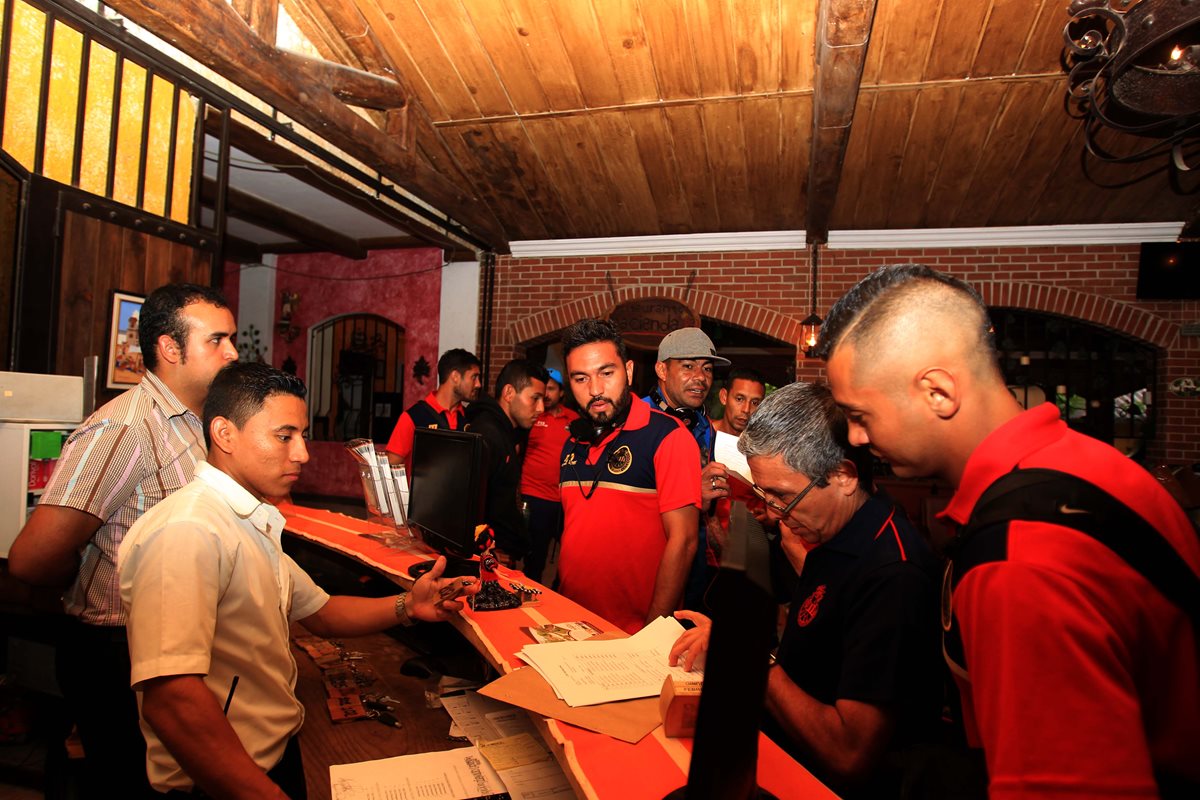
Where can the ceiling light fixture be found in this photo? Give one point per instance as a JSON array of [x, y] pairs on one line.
[[1135, 68], [810, 328]]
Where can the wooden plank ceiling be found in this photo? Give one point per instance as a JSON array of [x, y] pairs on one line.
[[581, 118]]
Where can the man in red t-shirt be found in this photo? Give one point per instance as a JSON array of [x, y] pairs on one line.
[[630, 484], [458, 381], [1081, 678], [539, 475]]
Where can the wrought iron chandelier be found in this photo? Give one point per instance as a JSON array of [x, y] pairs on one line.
[[1135, 68]]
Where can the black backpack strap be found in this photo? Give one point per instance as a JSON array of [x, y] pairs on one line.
[[1058, 498]]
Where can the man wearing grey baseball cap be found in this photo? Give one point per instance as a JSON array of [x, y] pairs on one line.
[[686, 358]]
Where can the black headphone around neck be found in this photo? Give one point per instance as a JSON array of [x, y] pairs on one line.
[[690, 416], [585, 431]]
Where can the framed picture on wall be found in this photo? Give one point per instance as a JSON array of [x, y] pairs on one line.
[[125, 366]]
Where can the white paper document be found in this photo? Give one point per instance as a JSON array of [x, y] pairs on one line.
[[447, 775], [725, 451], [591, 672]]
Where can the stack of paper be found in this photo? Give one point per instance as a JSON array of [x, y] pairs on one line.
[[591, 672]]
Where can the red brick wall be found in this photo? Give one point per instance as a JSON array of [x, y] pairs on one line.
[[768, 292]]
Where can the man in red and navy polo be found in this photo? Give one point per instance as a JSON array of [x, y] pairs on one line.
[[458, 381], [630, 482], [1080, 677]]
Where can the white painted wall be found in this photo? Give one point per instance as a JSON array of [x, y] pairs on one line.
[[459, 306], [257, 301]]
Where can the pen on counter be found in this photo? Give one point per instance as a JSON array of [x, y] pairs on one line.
[[229, 699]]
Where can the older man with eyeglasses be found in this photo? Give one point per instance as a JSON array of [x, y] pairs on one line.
[[860, 674]]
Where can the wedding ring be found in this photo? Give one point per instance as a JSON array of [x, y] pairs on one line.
[[714, 483]]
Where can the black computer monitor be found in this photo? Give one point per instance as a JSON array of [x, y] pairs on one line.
[[725, 750], [448, 490]]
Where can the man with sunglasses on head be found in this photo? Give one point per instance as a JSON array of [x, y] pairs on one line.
[[858, 675]]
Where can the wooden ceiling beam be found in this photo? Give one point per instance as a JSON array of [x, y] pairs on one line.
[[250, 141], [405, 125], [241, 250], [213, 33], [263, 214], [261, 15], [843, 31], [350, 85]]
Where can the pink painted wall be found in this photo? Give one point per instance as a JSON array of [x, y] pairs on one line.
[[403, 286]]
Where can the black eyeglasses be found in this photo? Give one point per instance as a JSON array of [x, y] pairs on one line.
[[785, 511]]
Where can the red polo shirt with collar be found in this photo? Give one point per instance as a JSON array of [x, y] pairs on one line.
[[614, 494], [1083, 679], [401, 440]]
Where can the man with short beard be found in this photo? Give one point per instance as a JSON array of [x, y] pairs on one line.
[[630, 481]]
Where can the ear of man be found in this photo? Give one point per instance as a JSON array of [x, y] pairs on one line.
[[660, 369], [508, 394], [168, 349], [629, 372], [941, 391], [723, 396], [223, 434], [845, 477]]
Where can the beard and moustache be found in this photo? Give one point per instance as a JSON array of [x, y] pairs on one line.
[[618, 409]]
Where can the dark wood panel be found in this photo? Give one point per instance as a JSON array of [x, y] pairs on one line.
[[856, 166], [1045, 45], [1008, 31], [580, 202], [1001, 157], [476, 147], [661, 168], [927, 137], [886, 142], [790, 182], [971, 126], [695, 172], [625, 175], [727, 155], [99, 257], [900, 41], [958, 34], [540, 192], [1017, 201]]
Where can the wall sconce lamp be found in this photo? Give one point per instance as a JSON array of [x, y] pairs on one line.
[[810, 328], [287, 309]]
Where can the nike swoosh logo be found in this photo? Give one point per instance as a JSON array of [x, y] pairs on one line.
[[1063, 508]]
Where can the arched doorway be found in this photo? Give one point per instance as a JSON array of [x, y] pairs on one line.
[[1102, 381], [776, 360], [355, 377]]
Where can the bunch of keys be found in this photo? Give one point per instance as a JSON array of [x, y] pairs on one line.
[[380, 711]]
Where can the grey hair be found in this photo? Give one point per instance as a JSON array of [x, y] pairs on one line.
[[802, 423]]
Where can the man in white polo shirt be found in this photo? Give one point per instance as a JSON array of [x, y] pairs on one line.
[[210, 596]]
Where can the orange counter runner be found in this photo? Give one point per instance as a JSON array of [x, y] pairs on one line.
[[603, 768]]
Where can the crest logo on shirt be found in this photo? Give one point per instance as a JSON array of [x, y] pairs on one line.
[[808, 609], [620, 460]]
